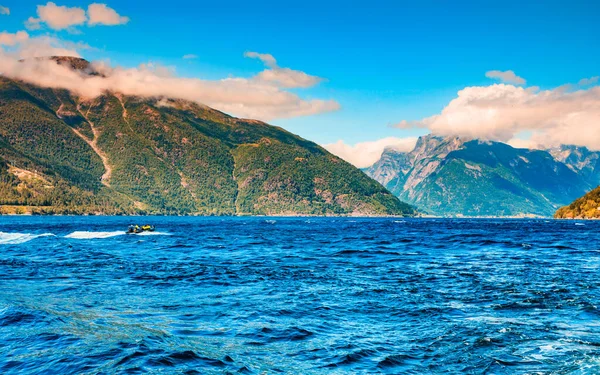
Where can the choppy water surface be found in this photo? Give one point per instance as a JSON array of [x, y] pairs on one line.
[[299, 296]]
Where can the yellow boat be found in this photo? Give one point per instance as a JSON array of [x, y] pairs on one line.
[[135, 229]]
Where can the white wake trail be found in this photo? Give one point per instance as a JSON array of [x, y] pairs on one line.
[[85, 235], [19, 238]]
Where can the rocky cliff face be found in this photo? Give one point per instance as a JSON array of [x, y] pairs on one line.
[[451, 176], [581, 160]]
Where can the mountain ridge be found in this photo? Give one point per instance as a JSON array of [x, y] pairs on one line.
[[461, 177], [117, 154]]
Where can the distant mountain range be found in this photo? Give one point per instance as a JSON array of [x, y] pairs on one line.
[[456, 177], [115, 154]]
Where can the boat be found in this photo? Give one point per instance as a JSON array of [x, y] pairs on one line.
[[135, 229]]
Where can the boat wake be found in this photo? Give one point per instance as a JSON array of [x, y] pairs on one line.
[[19, 238], [153, 234], [85, 235]]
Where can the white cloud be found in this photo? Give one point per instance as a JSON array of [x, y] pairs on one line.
[[525, 143], [33, 23], [500, 112], [284, 77], [507, 77], [243, 97], [100, 14], [49, 46], [62, 17], [21, 46], [588, 81], [56, 17], [266, 58], [288, 78], [4, 11], [365, 154], [8, 39], [189, 56]]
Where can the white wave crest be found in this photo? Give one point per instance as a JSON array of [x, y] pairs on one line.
[[19, 238], [153, 234], [84, 235]]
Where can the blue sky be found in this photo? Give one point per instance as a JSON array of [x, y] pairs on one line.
[[383, 62]]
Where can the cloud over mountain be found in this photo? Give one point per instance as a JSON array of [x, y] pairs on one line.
[[244, 97], [264, 96], [500, 112], [364, 154]]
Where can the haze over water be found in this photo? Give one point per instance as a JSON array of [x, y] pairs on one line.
[[299, 296]]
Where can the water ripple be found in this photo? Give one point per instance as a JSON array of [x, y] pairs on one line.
[[299, 296]]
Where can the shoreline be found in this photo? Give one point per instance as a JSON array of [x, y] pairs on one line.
[[314, 216]]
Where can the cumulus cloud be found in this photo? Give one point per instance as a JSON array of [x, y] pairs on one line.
[[365, 154], [525, 143], [500, 112], [8, 39], [21, 46], [4, 11], [266, 58], [507, 77], [33, 23], [62, 17], [284, 77], [49, 46], [245, 97], [288, 78], [100, 14], [56, 17], [588, 81], [190, 56]]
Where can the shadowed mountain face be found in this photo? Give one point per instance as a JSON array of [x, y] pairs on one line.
[[450, 176], [581, 160], [114, 154]]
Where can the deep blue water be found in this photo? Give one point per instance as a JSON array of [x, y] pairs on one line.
[[299, 296]]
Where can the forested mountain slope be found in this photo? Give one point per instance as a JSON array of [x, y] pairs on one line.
[[114, 154]]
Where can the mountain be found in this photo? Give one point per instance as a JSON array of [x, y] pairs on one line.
[[581, 160], [115, 154], [452, 176], [586, 207]]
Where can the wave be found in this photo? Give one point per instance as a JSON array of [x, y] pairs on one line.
[[153, 234], [19, 238], [85, 235]]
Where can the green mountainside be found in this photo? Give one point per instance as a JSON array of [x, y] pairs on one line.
[[60, 153], [586, 207], [451, 176]]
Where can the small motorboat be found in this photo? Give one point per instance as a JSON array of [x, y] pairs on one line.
[[135, 229]]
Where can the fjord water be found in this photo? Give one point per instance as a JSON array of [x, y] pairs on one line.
[[299, 296]]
